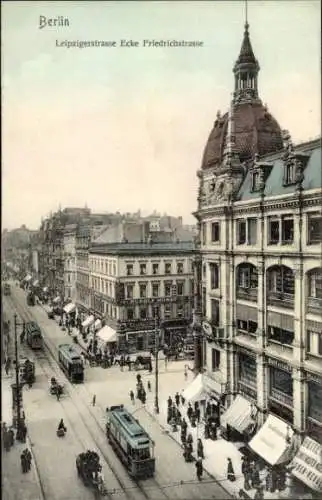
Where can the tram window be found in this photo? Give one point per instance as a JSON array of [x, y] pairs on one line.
[[142, 454]]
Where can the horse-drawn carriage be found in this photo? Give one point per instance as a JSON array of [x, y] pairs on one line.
[[55, 388], [89, 469]]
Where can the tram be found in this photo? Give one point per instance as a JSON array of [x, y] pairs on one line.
[[34, 336], [130, 441], [71, 362]]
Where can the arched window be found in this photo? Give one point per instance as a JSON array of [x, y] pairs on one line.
[[315, 283], [280, 286]]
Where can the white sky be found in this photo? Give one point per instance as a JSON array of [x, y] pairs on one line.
[[125, 128]]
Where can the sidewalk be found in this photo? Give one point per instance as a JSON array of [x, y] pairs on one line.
[[15, 484]]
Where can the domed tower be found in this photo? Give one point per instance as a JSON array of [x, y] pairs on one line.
[[255, 130]]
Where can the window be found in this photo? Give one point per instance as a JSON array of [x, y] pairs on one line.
[[314, 228], [130, 314], [155, 290], [167, 289], [214, 276], [287, 230], [155, 268], [289, 174], [273, 231], [167, 268], [204, 270], [246, 326], [142, 291], [180, 311], [215, 312], [129, 269], [280, 335], [180, 288], [179, 267], [215, 359], [215, 232], [256, 181], [129, 291], [315, 284], [167, 311], [281, 380], [142, 268], [314, 343], [241, 232], [143, 313], [243, 277], [114, 269], [281, 279], [156, 311]]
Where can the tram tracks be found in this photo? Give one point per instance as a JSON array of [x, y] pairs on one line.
[[132, 489]]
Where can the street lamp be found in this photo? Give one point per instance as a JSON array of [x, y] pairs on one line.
[[17, 387]]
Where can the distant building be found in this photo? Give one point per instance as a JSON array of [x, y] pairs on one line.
[[138, 286]]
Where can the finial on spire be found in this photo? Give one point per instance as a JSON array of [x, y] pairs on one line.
[[246, 16]]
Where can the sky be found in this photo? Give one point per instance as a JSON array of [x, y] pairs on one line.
[[123, 128]]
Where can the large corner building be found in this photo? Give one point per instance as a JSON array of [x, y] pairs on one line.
[[260, 274]]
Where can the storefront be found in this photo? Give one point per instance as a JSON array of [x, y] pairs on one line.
[[247, 374], [239, 420], [274, 441], [280, 400], [307, 464]]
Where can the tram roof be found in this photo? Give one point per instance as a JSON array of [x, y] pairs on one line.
[[129, 423], [69, 351]]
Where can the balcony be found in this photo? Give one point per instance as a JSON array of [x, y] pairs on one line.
[[281, 397], [280, 299], [283, 351], [314, 305], [249, 294]]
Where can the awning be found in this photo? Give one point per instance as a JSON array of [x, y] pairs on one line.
[[69, 308], [307, 464], [45, 289], [27, 278], [56, 300], [107, 334], [246, 313], [88, 321], [271, 441], [239, 415], [195, 391], [35, 283], [280, 321], [98, 324]]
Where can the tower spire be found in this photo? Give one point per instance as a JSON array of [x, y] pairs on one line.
[[246, 69]]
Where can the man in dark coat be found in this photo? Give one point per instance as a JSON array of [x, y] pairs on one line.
[[199, 469], [177, 399]]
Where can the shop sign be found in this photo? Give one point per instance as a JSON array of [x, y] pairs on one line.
[[280, 365], [242, 350], [247, 391], [314, 378]]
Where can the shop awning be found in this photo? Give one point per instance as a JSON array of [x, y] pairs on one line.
[[56, 299], [88, 321], [107, 334], [239, 415], [307, 464], [27, 278], [35, 283], [69, 308], [273, 442], [98, 324], [195, 391], [45, 289]]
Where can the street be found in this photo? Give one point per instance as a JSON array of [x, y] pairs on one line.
[[86, 426]]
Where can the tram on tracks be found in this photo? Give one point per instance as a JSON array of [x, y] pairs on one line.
[[34, 336], [71, 362], [130, 441]]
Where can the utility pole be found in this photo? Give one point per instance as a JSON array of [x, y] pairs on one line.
[[17, 388], [156, 401]]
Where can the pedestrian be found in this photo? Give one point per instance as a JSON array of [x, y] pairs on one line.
[[11, 436], [185, 374], [28, 458], [189, 411], [259, 495], [177, 399], [132, 396], [196, 405], [149, 385], [23, 462], [230, 471], [197, 413], [6, 440], [199, 469], [94, 400], [200, 452], [182, 400], [57, 392], [169, 401]]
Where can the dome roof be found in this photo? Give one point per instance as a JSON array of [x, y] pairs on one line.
[[255, 131]]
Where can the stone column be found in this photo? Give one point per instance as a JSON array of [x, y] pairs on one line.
[[231, 364], [299, 401], [262, 388], [261, 322], [299, 314]]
